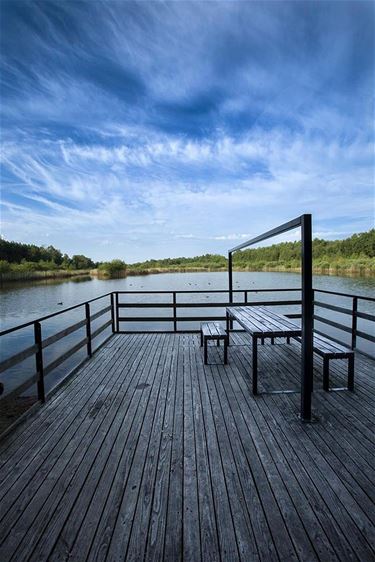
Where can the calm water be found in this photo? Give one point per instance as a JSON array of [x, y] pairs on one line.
[[24, 302]]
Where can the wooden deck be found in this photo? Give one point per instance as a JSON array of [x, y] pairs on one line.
[[147, 454]]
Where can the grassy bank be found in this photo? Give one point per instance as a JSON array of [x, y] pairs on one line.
[[35, 275]]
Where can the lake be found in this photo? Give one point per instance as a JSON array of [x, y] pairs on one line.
[[25, 302]]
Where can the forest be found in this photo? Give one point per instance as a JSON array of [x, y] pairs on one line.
[[355, 254]]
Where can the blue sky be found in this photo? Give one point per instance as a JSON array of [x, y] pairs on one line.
[[157, 129]]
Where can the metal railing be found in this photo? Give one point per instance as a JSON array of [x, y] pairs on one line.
[[121, 312], [175, 305], [353, 312], [40, 344]]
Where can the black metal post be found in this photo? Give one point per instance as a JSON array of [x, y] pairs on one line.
[[354, 322], [113, 317], [230, 275], [39, 361], [174, 312], [117, 314], [88, 329], [307, 318]]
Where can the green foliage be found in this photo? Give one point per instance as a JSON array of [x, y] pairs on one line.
[[81, 262], [112, 268], [15, 252], [208, 261], [289, 253], [4, 266]]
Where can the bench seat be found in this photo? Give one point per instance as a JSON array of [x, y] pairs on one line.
[[214, 331]]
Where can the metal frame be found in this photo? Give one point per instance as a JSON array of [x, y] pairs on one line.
[[305, 224]]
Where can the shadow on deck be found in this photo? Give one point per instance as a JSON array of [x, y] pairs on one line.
[[148, 454]]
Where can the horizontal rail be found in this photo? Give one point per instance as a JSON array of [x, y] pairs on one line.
[[334, 307], [363, 297], [65, 356], [290, 225], [18, 357], [365, 336], [333, 324], [101, 329], [204, 291], [100, 313], [365, 316], [336, 340], [180, 318], [207, 304], [52, 315], [56, 337], [19, 389]]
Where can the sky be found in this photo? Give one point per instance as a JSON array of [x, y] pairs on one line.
[[139, 130]]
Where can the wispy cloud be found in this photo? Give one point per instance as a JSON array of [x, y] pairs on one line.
[[176, 128]]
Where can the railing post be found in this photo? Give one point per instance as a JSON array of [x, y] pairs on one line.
[[117, 313], [354, 322], [39, 361], [230, 276], [307, 318], [245, 297], [113, 318], [88, 329], [174, 312]]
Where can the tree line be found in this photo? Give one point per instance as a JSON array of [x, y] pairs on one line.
[[358, 248], [30, 256]]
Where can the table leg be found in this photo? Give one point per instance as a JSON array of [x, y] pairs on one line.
[[351, 372], [226, 350], [325, 374], [255, 365]]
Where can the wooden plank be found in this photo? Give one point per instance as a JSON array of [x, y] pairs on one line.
[[32, 493], [133, 490], [77, 536], [277, 457], [210, 550], [227, 539], [332, 509], [27, 438], [173, 546], [65, 521], [156, 532], [260, 485], [149, 483]]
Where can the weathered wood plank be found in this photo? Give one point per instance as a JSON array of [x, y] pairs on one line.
[[148, 454]]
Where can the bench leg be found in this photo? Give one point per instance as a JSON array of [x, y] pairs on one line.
[[351, 373], [325, 374], [205, 349], [272, 340], [218, 342], [201, 338], [288, 339], [226, 339], [255, 365]]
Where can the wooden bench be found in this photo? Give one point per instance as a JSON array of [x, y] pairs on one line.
[[262, 323], [214, 331], [328, 349]]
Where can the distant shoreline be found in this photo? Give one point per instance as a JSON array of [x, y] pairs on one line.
[[26, 276]]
